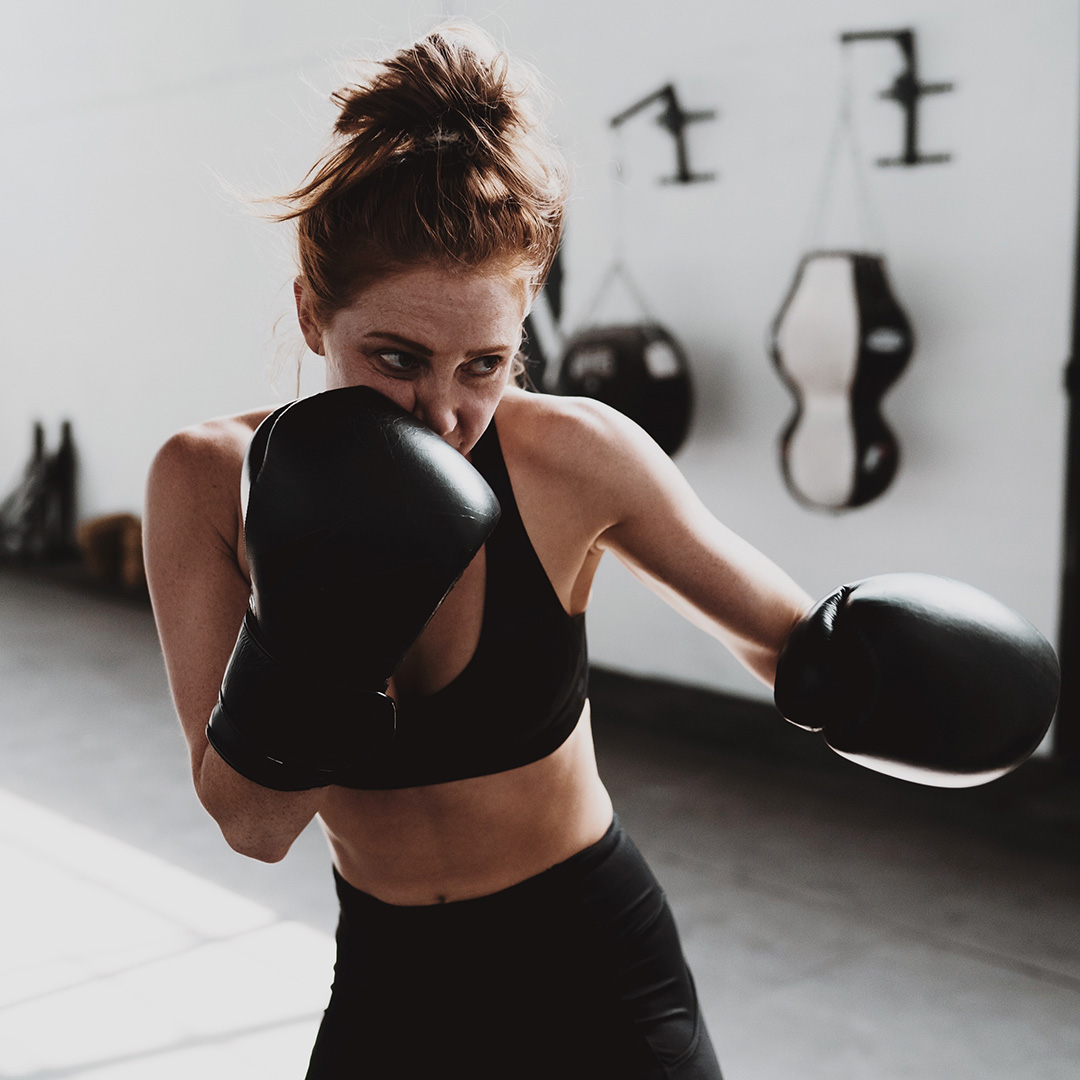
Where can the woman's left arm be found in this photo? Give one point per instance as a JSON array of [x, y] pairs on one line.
[[914, 676], [662, 531]]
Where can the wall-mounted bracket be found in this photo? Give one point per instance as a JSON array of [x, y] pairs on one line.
[[675, 118], [906, 92]]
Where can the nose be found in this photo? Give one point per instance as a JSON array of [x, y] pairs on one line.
[[435, 409]]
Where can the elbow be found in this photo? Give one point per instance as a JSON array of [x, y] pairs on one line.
[[254, 835], [254, 831], [266, 849], [256, 822]]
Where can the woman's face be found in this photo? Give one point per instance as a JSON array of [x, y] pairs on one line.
[[439, 342]]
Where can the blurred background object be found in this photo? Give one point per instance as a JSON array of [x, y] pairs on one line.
[[37, 519]]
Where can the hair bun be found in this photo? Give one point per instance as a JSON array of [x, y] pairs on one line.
[[436, 96]]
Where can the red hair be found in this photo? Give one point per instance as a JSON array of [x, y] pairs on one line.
[[438, 156]]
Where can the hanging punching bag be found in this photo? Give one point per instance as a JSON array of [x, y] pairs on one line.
[[839, 342], [639, 369]]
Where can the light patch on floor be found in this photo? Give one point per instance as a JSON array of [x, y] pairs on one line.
[[118, 965]]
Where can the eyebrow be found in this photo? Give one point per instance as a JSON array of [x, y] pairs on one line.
[[423, 350]]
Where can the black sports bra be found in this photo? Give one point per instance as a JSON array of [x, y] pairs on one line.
[[520, 696]]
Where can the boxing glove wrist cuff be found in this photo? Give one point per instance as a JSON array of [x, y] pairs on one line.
[[288, 731], [805, 688]]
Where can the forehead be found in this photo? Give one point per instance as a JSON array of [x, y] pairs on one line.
[[441, 299]]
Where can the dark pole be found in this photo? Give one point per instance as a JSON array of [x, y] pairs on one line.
[[1067, 728]]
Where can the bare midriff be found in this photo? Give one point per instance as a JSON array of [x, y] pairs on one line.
[[469, 838]]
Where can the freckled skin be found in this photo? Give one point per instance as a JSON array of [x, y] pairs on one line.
[[440, 343]]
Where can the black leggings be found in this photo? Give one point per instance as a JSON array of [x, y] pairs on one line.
[[575, 974]]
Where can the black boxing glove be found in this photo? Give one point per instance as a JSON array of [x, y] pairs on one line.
[[358, 520], [920, 677]]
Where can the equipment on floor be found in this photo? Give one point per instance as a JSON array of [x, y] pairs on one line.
[[37, 519], [111, 548]]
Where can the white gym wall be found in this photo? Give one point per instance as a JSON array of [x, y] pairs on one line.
[[139, 296]]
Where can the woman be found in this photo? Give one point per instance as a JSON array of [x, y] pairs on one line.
[[495, 919]]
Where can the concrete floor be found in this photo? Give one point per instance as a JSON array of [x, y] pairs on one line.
[[835, 930]]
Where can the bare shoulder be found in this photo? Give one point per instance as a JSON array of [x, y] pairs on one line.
[[584, 472], [192, 511], [573, 436], [201, 464], [209, 446]]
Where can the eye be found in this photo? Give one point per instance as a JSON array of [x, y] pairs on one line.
[[398, 362], [485, 365]]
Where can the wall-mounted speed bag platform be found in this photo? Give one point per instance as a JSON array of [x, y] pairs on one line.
[[840, 340], [638, 369]]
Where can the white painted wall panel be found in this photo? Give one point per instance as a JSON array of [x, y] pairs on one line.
[[137, 296]]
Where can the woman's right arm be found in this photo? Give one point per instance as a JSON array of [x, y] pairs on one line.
[[199, 593]]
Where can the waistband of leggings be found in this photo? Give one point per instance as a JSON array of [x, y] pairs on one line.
[[356, 902]]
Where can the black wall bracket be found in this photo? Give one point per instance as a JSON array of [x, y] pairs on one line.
[[906, 92], [675, 118]]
